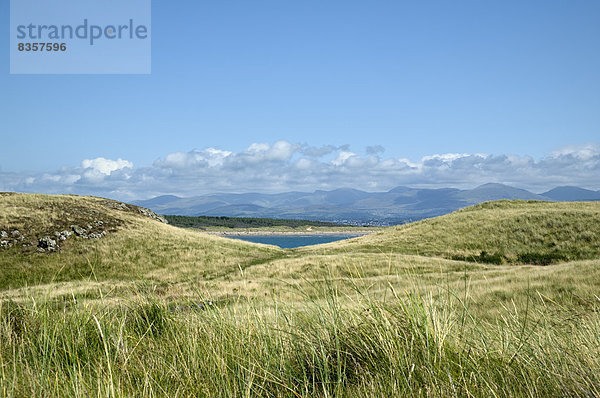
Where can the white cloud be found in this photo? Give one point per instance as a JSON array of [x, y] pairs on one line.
[[342, 158], [444, 157], [105, 166], [304, 164], [585, 151], [280, 151], [284, 166], [209, 157]]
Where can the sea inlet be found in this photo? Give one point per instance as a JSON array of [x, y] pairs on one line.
[[292, 241]]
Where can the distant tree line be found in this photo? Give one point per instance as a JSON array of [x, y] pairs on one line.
[[242, 222]]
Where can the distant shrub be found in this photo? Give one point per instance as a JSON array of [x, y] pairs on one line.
[[532, 258], [242, 222], [488, 258], [541, 258], [483, 257]]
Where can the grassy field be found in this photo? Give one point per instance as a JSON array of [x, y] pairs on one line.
[[415, 310], [496, 232]]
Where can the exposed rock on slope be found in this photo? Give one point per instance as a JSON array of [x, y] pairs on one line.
[[68, 217]]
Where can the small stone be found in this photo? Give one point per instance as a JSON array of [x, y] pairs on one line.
[[16, 233], [97, 235], [4, 244], [79, 231], [47, 243], [3, 234]]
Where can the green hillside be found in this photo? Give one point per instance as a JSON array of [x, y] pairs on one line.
[[121, 243], [504, 231], [122, 304]]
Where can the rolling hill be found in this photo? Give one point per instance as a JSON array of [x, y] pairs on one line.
[[495, 232], [74, 238], [571, 194], [126, 305]]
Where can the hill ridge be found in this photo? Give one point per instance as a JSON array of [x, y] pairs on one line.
[[352, 206], [504, 231]]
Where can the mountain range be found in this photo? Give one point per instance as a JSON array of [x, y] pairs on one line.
[[352, 206]]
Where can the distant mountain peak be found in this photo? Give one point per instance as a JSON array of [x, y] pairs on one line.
[[569, 188], [400, 189], [568, 193], [340, 190], [351, 205], [495, 185], [497, 191], [157, 200]]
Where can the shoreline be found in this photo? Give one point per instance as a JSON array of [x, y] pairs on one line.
[[290, 233]]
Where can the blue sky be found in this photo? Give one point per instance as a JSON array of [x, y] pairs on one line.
[[500, 79]]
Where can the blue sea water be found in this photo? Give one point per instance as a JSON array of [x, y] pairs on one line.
[[291, 241]]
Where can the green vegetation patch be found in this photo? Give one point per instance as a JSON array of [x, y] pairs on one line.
[[525, 232], [403, 347], [241, 222], [135, 244], [154, 310]]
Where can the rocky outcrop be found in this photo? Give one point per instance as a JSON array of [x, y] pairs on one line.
[[111, 204], [79, 231], [152, 215], [97, 235], [63, 235], [12, 238], [52, 242], [89, 233], [3, 239], [132, 208], [71, 220], [47, 244]]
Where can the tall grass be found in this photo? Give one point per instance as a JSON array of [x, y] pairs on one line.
[[403, 346], [121, 316]]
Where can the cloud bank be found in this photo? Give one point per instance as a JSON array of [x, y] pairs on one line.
[[286, 166]]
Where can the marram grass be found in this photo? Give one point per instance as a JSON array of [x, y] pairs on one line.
[[504, 231], [403, 346], [152, 310]]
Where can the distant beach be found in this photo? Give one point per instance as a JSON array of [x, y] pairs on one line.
[[291, 233]]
